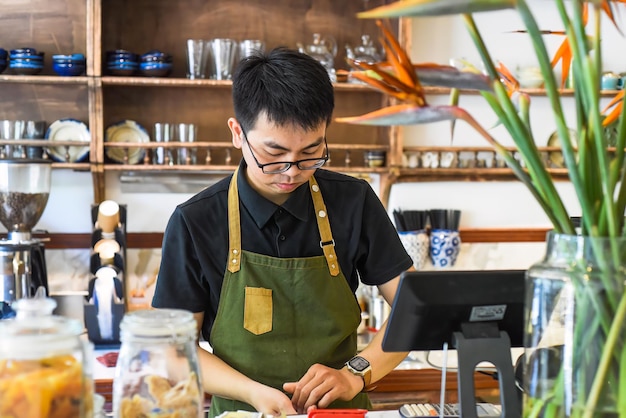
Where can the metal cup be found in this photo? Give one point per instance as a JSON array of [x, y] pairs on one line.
[[223, 56], [197, 57], [186, 132], [34, 130], [162, 132], [12, 129]]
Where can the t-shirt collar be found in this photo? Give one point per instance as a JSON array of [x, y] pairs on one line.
[[262, 210]]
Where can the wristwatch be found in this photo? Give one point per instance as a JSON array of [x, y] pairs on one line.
[[361, 367]]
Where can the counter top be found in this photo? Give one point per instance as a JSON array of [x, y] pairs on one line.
[[408, 385]]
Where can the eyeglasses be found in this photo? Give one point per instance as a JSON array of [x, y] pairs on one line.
[[282, 166]]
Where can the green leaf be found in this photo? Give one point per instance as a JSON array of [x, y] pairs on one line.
[[405, 115], [410, 8], [451, 77]]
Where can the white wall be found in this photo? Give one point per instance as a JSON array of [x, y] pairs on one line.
[[491, 204]]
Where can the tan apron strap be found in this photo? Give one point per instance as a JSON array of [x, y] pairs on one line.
[[234, 226], [327, 243]]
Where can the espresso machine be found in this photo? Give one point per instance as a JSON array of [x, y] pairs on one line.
[[24, 191]]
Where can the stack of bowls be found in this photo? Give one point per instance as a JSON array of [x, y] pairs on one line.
[[156, 64], [3, 59], [26, 61], [121, 62], [69, 65]]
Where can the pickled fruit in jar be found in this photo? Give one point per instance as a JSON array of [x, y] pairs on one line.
[[42, 372], [44, 388]]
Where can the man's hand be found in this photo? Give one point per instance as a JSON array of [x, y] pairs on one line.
[[322, 385], [271, 401]]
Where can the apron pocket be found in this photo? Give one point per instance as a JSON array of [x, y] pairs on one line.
[[257, 316]]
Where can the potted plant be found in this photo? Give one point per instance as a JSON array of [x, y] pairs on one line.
[[575, 357]]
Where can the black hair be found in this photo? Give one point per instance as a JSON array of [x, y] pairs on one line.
[[290, 87]]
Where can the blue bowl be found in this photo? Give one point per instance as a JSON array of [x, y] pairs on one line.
[[69, 57], [121, 71], [151, 69], [26, 62], [68, 70], [156, 56], [23, 51], [121, 54], [3, 54], [25, 69]]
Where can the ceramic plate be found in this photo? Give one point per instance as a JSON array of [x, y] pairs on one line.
[[126, 131], [556, 157], [68, 130]]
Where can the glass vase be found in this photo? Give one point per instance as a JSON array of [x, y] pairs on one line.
[[575, 353]]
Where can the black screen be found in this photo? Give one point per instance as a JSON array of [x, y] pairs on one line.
[[430, 306]]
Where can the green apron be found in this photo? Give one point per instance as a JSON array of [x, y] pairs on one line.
[[279, 316]]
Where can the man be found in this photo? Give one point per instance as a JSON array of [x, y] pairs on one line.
[[269, 259]]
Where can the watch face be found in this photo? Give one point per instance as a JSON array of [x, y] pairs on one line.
[[359, 364]]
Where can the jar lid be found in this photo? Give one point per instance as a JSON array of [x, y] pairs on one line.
[[158, 323], [35, 333]]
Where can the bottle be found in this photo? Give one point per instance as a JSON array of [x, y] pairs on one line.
[[157, 372], [44, 364]]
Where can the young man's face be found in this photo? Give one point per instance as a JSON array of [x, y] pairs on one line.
[[269, 143]]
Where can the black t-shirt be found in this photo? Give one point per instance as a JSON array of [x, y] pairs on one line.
[[195, 243]]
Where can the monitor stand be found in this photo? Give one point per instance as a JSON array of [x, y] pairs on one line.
[[479, 342]]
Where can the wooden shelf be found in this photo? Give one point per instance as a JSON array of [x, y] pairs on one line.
[[163, 82], [417, 175], [43, 79], [155, 239]]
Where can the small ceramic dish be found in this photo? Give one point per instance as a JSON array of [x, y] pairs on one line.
[[126, 131], [121, 71], [23, 51], [155, 69], [68, 130], [156, 56], [69, 57], [122, 67], [121, 55], [68, 70], [25, 68]]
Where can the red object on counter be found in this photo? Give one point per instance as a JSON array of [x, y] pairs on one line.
[[337, 413], [108, 359]]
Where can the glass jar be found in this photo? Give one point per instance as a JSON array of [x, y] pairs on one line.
[[575, 332], [44, 362], [157, 372]]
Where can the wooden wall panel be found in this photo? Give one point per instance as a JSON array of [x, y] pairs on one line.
[[43, 102], [51, 26], [143, 25]]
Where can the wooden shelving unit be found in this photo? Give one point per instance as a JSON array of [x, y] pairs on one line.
[[93, 27]]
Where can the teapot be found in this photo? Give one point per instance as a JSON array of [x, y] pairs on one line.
[[366, 52], [323, 49]]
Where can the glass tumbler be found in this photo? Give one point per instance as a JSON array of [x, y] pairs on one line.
[[157, 372]]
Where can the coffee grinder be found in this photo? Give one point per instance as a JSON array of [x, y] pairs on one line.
[[24, 191]]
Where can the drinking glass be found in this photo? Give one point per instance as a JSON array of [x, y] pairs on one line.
[[223, 55], [197, 57]]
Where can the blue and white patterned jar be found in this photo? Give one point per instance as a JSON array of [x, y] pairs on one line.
[[445, 246], [416, 244]]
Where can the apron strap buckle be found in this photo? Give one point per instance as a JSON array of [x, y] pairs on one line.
[[325, 243]]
